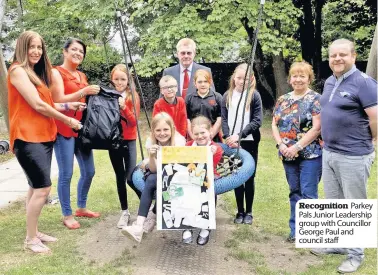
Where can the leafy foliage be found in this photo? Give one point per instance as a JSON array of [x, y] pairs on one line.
[[216, 26], [351, 19]]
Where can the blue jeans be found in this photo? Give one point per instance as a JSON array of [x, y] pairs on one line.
[[303, 176], [65, 149]]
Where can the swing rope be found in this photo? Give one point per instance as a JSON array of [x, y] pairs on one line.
[[129, 75], [233, 162], [250, 69]]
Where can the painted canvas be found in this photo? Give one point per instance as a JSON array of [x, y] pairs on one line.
[[185, 188]]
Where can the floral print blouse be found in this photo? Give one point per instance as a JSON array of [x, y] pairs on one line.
[[294, 119]]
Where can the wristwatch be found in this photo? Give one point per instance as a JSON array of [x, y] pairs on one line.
[[278, 145]]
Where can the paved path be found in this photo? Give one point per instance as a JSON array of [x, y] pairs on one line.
[[13, 183], [162, 252]]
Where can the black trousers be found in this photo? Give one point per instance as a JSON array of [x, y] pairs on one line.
[[247, 190], [124, 161]]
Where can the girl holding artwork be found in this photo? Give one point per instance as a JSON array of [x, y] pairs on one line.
[[162, 134], [201, 131]]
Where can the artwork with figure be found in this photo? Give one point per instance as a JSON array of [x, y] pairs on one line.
[[185, 188]]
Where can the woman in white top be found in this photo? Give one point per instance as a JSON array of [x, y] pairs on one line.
[[250, 133]]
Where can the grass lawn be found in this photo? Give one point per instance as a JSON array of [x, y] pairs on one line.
[[271, 212]]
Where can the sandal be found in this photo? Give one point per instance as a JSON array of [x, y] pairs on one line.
[[87, 214], [35, 245], [46, 238], [74, 225]]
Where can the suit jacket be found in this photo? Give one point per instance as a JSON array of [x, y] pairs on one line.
[[175, 72]]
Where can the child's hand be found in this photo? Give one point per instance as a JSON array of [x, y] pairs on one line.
[[234, 145], [232, 139], [153, 150], [213, 149], [121, 102]]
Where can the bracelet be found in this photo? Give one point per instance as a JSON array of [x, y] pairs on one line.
[[66, 106], [298, 146], [81, 95]]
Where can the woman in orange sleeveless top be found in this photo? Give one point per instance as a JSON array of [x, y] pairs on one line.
[[69, 84], [32, 127]]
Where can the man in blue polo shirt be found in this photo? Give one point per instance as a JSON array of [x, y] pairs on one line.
[[349, 128]]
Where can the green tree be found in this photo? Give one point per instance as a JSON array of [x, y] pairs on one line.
[[351, 19], [216, 26], [92, 21]]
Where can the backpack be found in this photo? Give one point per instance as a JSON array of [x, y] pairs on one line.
[[101, 121]]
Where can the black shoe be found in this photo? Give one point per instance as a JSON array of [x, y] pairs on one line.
[[239, 218], [291, 239], [188, 240], [248, 218], [202, 240]]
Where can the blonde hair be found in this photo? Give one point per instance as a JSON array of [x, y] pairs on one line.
[[163, 116], [166, 79], [41, 72], [344, 41], [122, 68], [201, 120], [205, 74], [252, 85], [301, 67], [186, 42]]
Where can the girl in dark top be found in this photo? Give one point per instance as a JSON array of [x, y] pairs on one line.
[[250, 134], [204, 102]]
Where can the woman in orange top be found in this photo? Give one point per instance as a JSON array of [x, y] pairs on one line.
[[124, 159], [32, 127], [70, 84]]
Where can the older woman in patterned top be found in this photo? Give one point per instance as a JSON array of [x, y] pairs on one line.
[[296, 129]]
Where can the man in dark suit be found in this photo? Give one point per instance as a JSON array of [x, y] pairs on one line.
[[185, 70]]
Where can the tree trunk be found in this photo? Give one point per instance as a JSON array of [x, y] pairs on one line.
[[306, 30], [279, 68], [371, 68], [280, 75], [318, 38], [3, 71]]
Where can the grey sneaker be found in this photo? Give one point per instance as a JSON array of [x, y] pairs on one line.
[[150, 222], [124, 219], [325, 251], [351, 264], [135, 232]]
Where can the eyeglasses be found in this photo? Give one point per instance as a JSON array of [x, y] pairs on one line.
[[168, 87], [186, 53]]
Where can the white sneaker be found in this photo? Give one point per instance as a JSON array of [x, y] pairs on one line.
[[135, 231], [124, 219], [150, 222]]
